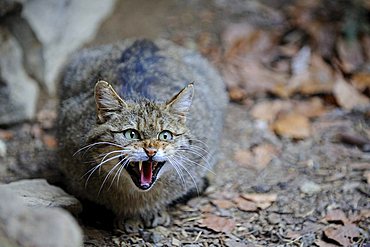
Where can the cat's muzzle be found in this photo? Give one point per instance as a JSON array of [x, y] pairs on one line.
[[144, 173]]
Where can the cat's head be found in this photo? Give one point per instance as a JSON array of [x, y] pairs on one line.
[[139, 137]]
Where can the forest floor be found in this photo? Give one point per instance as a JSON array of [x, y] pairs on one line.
[[295, 156]]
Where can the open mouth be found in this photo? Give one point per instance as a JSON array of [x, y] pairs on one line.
[[144, 173]]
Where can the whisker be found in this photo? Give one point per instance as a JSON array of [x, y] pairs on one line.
[[195, 153], [124, 162], [93, 169], [106, 155], [121, 168], [88, 147], [191, 176], [178, 172], [108, 175], [195, 163]]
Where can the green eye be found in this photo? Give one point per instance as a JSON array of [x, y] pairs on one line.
[[131, 134], [165, 136]]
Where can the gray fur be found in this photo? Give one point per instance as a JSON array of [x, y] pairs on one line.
[[146, 75]]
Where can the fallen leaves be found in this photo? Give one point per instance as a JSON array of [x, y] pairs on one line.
[[312, 61], [245, 205], [336, 216], [253, 202], [258, 157], [347, 96], [217, 223], [289, 118], [292, 125], [343, 235]]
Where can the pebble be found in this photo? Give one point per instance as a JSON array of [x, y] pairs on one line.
[[2, 148], [273, 218], [176, 242], [155, 237], [309, 187]]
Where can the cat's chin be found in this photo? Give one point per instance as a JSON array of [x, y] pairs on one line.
[[144, 173]]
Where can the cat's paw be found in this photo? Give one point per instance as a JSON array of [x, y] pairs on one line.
[[128, 225], [158, 218]]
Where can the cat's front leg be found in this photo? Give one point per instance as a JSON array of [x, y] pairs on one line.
[[128, 225], [158, 218], [149, 220]]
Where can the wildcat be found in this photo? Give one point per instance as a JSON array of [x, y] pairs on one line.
[[135, 133]]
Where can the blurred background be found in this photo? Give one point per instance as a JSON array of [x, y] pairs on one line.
[[298, 78]]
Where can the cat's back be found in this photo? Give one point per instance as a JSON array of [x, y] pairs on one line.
[[155, 70]]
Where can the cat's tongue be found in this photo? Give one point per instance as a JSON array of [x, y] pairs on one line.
[[146, 173]]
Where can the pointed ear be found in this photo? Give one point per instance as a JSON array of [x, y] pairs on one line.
[[107, 101], [181, 102]]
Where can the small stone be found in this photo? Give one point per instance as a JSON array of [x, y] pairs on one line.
[[262, 188], [184, 233], [273, 218], [162, 230], [176, 242], [2, 149], [309, 187], [156, 237]]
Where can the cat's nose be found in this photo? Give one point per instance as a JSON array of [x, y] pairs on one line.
[[150, 152]]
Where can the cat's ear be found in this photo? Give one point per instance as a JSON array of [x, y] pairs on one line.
[[181, 102], [107, 101]]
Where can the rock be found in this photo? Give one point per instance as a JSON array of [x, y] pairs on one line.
[[155, 237], [37, 193], [41, 227], [273, 218], [309, 187], [18, 91], [63, 26], [2, 148], [175, 242]]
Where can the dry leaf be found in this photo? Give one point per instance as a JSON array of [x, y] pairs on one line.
[[347, 96], [262, 201], [6, 135], [244, 157], [258, 158], [260, 197], [245, 205], [207, 208], [317, 79], [361, 81], [263, 154], [50, 141], [242, 38], [314, 107], [267, 110], [335, 216], [218, 224], [292, 125], [225, 204], [322, 243], [342, 234]]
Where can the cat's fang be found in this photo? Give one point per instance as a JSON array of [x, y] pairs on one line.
[[140, 165]]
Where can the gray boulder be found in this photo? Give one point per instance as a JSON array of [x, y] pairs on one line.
[[36, 227], [39, 193], [18, 91], [63, 26]]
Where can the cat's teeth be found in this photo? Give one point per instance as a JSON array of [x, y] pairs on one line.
[[140, 165]]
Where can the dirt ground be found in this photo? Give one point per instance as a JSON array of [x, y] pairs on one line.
[[270, 188]]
